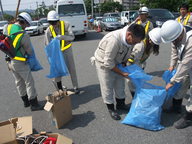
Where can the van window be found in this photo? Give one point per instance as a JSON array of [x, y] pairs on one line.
[[71, 10]]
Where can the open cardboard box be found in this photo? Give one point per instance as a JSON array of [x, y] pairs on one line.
[[22, 126], [15, 127], [60, 138], [59, 104]]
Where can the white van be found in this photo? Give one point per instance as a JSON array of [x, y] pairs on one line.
[[125, 17], [74, 11]]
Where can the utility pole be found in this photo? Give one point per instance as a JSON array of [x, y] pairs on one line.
[[37, 9], [2, 13], [17, 10], [92, 1]]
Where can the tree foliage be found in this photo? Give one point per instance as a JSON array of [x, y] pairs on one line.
[[8, 17], [107, 6], [171, 5], [110, 6]]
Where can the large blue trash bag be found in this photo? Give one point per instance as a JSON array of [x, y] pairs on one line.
[[135, 72], [33, 62], [145, 111], [55, 57], [167, 75]]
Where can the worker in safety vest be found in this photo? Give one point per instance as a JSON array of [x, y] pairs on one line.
[[62, 31], [185, 18], [142, 20], [181, 60], [18, 65]]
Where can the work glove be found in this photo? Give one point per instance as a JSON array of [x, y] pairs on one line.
[[58, 37]]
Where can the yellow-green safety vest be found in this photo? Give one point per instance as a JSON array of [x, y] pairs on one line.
[[62, 24], [146, 29], [12, 28], [186, 20]]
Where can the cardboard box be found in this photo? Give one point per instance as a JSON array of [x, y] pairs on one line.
[[60, 138], [60, 106], [11, 128]]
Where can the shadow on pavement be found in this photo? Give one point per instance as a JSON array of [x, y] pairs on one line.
[[80, 120], [168, 119], [87, 94]]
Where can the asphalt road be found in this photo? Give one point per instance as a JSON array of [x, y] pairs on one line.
[[91, 123]]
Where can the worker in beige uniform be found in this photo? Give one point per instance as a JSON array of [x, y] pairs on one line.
[[181, 60], [114, 49], [20, 69], [185, 18], [141, 52], [62, 31]]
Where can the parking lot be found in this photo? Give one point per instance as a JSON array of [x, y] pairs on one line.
[[91, 123]]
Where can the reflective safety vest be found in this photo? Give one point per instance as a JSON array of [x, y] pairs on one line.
[[62, 29], [13, 28], [186, 20], [146, 29]]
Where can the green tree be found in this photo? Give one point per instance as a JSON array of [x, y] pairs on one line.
[[88, 6], [8, 17], [171, 5], [110, 6]]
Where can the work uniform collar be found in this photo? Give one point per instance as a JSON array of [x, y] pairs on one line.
[[183, 41], [124, 31]]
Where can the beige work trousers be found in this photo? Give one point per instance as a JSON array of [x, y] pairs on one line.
[[111, 84], [69, 60], [23, 78]]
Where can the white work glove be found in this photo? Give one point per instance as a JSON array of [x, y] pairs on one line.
[[58, 37]]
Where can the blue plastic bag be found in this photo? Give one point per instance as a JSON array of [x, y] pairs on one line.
[[33, 62], [135, 72], [167, 75], [145, 111], [55, 57]]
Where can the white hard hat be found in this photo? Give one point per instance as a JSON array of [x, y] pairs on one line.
[[143, 10], [170, 31], [52, 16], [155, 35], [26, 17]]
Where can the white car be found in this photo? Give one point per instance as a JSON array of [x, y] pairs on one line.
[[35, 28], [44, 22], [2, 24]]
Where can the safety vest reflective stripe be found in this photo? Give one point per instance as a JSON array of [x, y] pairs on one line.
[[52, 31], [146, 26], [186, 20], [62, 33], [19, 58], [146, 29], [63, 47], [14, 45], [9, 28], [15, 41]]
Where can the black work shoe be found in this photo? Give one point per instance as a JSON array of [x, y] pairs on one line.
[[176, 110], [35, 106], [123, 107], [76, 90], [182, 123], [114, 115], [25, 101]]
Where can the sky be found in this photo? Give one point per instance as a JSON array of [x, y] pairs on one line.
[[25, 4]]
